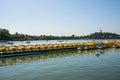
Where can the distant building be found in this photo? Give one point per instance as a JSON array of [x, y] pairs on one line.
[[100, 30]]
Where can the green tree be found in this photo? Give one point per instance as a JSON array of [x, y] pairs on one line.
[[4, 34]]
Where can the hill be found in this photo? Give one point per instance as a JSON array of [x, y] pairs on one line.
[[103, 35]]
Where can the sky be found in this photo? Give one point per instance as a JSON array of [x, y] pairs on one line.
[[60, 17]]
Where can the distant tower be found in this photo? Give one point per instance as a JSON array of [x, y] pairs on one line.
[[100, 30]]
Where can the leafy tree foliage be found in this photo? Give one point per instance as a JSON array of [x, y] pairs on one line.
[[104, 35], [4, 34]]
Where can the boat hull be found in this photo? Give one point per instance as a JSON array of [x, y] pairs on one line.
[[31, 52]]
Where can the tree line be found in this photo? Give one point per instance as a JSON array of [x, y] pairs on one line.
[[5, 35]]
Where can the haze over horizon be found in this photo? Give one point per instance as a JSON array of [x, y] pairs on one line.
[[60, 17]]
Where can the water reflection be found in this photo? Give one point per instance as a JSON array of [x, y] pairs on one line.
[[49, 55]]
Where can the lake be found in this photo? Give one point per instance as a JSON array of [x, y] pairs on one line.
[[99, 64]]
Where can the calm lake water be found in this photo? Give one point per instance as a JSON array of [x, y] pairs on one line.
[[99, 64]]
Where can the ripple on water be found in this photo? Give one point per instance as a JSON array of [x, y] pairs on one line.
[[65, 65]]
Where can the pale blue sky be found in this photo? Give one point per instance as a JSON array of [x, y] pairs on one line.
[[60, 17]]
